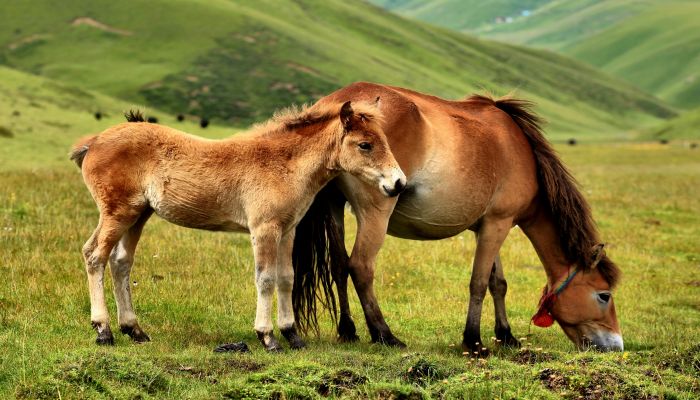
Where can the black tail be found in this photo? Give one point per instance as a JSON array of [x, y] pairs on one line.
[[316, 242]]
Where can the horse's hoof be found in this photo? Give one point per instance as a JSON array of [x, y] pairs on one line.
[[104, 335], [475, 350], [135, 333], [269, 342], [345, 338], [391, 341], [294, 340], [506, 339]]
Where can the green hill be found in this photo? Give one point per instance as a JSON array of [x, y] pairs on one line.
[[238, 61], [653, 44], [41, 118], [684, 127]]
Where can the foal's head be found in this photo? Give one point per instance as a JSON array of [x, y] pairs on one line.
[[364, 152], [584, 306]]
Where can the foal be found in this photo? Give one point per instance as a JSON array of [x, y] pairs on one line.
[[262, 182]]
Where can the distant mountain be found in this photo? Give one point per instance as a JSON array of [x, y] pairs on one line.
[[237, 61], [653, 44]]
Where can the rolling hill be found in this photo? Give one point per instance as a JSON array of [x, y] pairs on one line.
[[652, 44], [237, 61]]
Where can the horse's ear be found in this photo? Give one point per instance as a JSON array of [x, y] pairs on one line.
[[598, 252], [346, 116], [377, 102]]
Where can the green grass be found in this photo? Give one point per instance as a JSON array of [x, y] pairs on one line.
[[194, 290], [237, 61]]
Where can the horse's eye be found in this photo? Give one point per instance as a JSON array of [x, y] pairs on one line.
[[604, 297], [365, 146]]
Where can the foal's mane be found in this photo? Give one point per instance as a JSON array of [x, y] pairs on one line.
[[570, 210], [296, 118]]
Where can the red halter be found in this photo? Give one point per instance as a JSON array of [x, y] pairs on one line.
[[543, 318]]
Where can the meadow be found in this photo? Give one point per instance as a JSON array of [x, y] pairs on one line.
[[194, 290]]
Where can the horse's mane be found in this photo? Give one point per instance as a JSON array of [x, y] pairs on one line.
[[134, 116], [570, 210]]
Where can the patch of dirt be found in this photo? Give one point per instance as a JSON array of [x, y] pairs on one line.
[[653, 222], [245, 365], [6, 132], [693, 283], [99, 25], [27, 40], [600, 385], [554, 380], [528, 356], [339, 382]]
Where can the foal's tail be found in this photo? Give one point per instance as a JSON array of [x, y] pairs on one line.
[[80, 149], [316, 252]]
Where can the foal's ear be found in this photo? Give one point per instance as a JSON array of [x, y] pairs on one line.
[[598, 252], [346, 116]]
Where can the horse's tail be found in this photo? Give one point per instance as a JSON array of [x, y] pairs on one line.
[[80, 149], [569, 209], [316, 245]]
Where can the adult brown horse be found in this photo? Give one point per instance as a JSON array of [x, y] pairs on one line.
[[262, 183], [479, 164]]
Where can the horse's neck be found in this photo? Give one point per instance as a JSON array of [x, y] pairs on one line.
[[544, 236]]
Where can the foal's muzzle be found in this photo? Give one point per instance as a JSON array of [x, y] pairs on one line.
[[396, 183]]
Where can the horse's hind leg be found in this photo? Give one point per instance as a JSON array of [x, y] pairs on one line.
[[96, 253], [121, 261], [498, 288]]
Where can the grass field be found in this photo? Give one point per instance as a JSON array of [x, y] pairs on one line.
[[194, 290]]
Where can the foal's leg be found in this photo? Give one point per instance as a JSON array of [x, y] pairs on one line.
[[96, 252], [498, 287], [285, 284], [266, 242], [489, 239], [121, 260]]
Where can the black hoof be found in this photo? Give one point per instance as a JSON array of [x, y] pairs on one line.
[[135, 333], [475, 350], [294, 340], [240, 347], [269, 342], [506, 339], [346, 330], [104, 335], [389, 340]]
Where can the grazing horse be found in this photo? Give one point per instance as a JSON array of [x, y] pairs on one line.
[[478, 164], [262, 183]]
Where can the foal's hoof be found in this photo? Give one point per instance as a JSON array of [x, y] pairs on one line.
[[475, 350], [135, 333], [104, 335], [269, 342], [293, 338]]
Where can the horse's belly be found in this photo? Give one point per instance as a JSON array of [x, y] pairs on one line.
[[427, 212]]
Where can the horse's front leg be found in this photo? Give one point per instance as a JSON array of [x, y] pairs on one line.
[[372, 220], [266, 241], [489, 239], [285, 284]]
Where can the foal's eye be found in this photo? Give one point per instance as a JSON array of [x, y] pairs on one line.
[[365, 146], [604, 297]]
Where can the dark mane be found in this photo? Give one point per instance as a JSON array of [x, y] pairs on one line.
[[570, 210], [134, 116]]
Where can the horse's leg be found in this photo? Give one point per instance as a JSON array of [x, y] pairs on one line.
[[285, 284], [371, 230], [489, 239], [340, 271], [498, 287], [121, 260], [266, 243], [96, 253]]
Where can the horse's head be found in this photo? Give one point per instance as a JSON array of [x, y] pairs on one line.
[[582, 304], [364, 151]]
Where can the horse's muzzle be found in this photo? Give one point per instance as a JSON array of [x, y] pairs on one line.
[[607, 341], [399, 187]]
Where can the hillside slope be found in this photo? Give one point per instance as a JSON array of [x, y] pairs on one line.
[[239, 61], [653, 44]]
